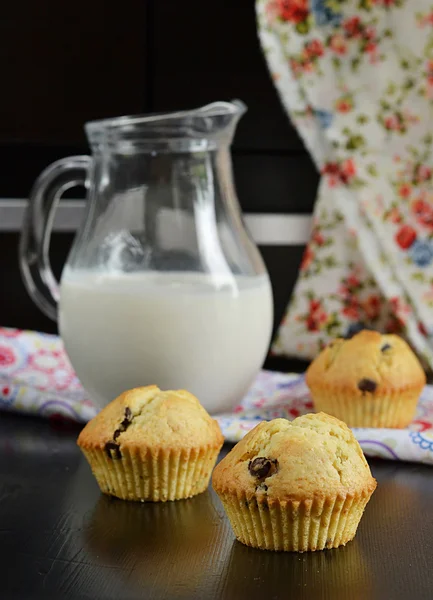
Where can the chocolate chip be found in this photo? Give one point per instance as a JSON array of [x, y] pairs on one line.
[[367, 385], [124, 424], [113, 450], [127, 420], [262, 467], [259, 467], [385, 347]]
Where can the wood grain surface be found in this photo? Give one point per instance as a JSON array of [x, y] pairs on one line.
[[60, 538]]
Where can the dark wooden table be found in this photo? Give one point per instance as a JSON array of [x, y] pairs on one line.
[[60, 538]]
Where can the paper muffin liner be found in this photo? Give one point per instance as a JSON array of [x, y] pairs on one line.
[[298, 526], [394, 410], [156, 476]]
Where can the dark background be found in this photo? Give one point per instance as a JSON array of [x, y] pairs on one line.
[[67, 63]]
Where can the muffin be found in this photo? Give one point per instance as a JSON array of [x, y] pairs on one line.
[[370, 380], [152, 445], [295, 485]]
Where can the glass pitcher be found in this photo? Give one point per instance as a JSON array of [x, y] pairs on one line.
[[162, 284]]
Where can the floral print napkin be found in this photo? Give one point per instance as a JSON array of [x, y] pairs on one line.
[[36, 378], [356, 79]]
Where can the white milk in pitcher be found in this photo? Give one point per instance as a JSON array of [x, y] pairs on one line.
[[171, 329]]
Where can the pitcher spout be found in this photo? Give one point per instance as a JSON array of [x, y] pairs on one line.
[[209, 125], [221, 118]]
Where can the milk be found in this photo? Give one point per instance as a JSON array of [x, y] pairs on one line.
[[206, 334]]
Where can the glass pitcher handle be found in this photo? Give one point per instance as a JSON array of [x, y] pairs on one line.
[[34, 246]]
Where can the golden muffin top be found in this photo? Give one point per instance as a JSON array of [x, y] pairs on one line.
[[147, 417], [369, 362], [314, 456]]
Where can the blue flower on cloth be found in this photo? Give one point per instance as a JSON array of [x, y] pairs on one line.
[[421, 252], [324, 14], [324, 117], [422, 439]]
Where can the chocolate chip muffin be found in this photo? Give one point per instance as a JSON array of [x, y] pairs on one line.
[[370, 380], [295, 485], [152, 445]]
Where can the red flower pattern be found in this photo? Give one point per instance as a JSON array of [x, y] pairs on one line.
[[352, 309], [405, 190], [399, 307], [343, 106], [394, 325], [338, 44], [393, 123], [12, 333], [372, 306], [314, 48], [317, 238], [316, 316], [340, 173], [405, 236], [307, 259], [423, 212], [7, 356], [348, 170], [395, 216], [405, 209], [353, 281], [294, 11], [423, 173], [353, 27], [421, 328]]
